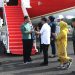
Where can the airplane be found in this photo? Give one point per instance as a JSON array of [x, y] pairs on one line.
[[14, 13]]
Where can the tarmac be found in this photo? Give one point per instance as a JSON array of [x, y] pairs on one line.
[[13, 65]]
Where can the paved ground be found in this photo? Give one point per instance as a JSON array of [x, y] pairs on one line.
[[14, 65]]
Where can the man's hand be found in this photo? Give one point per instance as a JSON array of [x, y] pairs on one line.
[[31, 31], [36, 32]]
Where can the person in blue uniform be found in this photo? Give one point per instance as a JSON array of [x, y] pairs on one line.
[[53, 30]]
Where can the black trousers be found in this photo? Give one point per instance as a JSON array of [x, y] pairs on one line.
[[53, 47], [27, 49], [74, 46], [45, 52]]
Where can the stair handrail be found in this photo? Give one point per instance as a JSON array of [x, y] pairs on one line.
[[25, 13], [5, 22]]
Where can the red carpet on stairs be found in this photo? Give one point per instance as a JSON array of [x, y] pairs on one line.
[[14, 18]]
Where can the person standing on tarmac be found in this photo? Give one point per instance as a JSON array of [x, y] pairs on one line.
[[27, 40], [61, 40], [45, 39], [73, 35], [53, 31]]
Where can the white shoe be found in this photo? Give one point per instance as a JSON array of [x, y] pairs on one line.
[[61, 66], [68, 65]]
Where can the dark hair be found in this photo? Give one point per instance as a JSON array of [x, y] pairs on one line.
[[44, 19], [40, 25], [26, 17], [52, 18], [73, 19]]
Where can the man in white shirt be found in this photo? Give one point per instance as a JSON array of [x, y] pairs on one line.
[[45, 33]]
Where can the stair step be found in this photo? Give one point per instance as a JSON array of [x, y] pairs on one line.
[[13, 10], [17, 51], [14, 29], [15, 17], [12, 44], [14, 40], [17, 13], [18, 36], [12, 7], [17, 29], [14, 14], [15, 36], [15, 33], [16, 48], [14, 26], [15, 21]]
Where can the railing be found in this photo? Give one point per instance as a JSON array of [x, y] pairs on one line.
[[6, 32], [24, 5]]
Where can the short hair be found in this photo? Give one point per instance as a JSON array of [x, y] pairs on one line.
[[44, 19], [73, 19], [51, 18], [25, 17]]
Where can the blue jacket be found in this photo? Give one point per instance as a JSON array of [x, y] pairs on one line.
[[53, 29]]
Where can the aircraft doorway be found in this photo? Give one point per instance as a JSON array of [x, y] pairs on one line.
[[12, 3]]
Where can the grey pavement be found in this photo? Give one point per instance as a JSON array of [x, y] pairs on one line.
[[13, 65]]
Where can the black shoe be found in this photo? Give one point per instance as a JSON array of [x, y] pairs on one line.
[[44, 64], [30, 60]]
